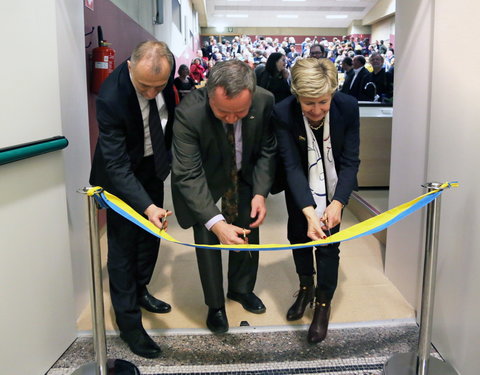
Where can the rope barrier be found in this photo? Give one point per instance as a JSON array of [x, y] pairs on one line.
[[364, 228]]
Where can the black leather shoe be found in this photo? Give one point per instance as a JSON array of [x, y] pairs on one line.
[[217, 321], [150, 303], [141, 343], [249, 301], [305, 296]]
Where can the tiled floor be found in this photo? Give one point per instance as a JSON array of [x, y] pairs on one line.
[[346, 350]]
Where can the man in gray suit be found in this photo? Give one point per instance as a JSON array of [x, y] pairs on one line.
[[222, 142]]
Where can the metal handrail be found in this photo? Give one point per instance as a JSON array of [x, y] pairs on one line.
[[30, 149]]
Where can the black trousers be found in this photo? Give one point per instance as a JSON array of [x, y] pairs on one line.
[[242, 265], [132, 254], [326, 257]]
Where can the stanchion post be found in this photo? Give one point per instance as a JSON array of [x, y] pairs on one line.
[[428, 287], [102, 365], [96, 296], [421, 363]]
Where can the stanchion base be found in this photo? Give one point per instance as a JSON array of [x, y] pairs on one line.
[[114, 367], [406, 364]]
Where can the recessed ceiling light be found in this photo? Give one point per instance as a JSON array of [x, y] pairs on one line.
[[237, 15], [287, 15], [336, 16]]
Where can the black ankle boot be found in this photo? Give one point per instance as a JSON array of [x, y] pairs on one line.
[[318, 329], [304, 296]]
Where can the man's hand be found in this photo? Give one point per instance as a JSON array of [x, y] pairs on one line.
[[314, 231], [157, 216], [229, 234], [259, 210]]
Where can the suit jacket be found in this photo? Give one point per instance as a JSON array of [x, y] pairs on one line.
[[358, 88], [201, 158], [292, 147], [120, 145]]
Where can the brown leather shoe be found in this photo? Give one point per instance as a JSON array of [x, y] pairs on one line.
[[318, 329], [305, 296]]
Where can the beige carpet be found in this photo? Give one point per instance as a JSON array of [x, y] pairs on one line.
[[363, 293]]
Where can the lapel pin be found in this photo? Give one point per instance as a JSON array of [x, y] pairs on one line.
[[251, 117], [300, 138]]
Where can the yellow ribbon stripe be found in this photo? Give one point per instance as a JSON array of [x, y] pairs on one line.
[[369, 226]]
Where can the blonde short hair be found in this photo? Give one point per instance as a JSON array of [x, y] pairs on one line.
[[313, 78]]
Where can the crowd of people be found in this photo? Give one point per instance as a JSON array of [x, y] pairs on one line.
[[353, 57], [246, 133]]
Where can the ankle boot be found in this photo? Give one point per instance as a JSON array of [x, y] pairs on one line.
[[305, 296], [318, 329]]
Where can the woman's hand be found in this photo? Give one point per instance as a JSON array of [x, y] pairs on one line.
[[332, 215], [314, 231]]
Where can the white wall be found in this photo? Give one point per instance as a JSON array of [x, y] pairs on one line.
[[436, 137], [74, 118], [42, 95], [170, 34], [382, 9], [382, 30], [410, 126], [454, 153]]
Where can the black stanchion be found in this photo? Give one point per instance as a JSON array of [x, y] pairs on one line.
[[422, 363], [102, 365]]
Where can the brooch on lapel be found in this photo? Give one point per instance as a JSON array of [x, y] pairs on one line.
[[300, 138], [251, 117]]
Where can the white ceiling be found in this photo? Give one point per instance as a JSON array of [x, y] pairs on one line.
[[274, 13]]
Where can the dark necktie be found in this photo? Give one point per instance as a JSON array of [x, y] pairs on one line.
[[230, 197], [162, 167]]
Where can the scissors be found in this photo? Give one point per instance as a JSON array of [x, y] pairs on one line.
[[325, 220], [245, 238], [164, 219]]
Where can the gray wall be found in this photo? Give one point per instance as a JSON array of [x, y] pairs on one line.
[[436, 137], [141, 11]]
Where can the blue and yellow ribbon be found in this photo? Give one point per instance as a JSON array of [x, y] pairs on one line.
[[365, 228]]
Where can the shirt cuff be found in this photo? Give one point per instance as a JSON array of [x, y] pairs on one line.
[[214, 220]]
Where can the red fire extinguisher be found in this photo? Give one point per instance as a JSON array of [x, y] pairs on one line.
[[103, 58]]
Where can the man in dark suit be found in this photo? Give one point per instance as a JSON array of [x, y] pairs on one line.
[[354, 84], [222, 144], [131, 161]]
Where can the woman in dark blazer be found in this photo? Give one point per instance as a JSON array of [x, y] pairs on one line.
[[317, 131], [274, 77]]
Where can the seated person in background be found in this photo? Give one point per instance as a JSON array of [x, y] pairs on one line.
[[317, 51], [317, 132], [382, 80], [292, 55], [347, 66], [197, 70], [354, 84], [184, 83], [274, 77]]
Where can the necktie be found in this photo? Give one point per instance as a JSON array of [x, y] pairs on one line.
[[230, 197], [162, 167]]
